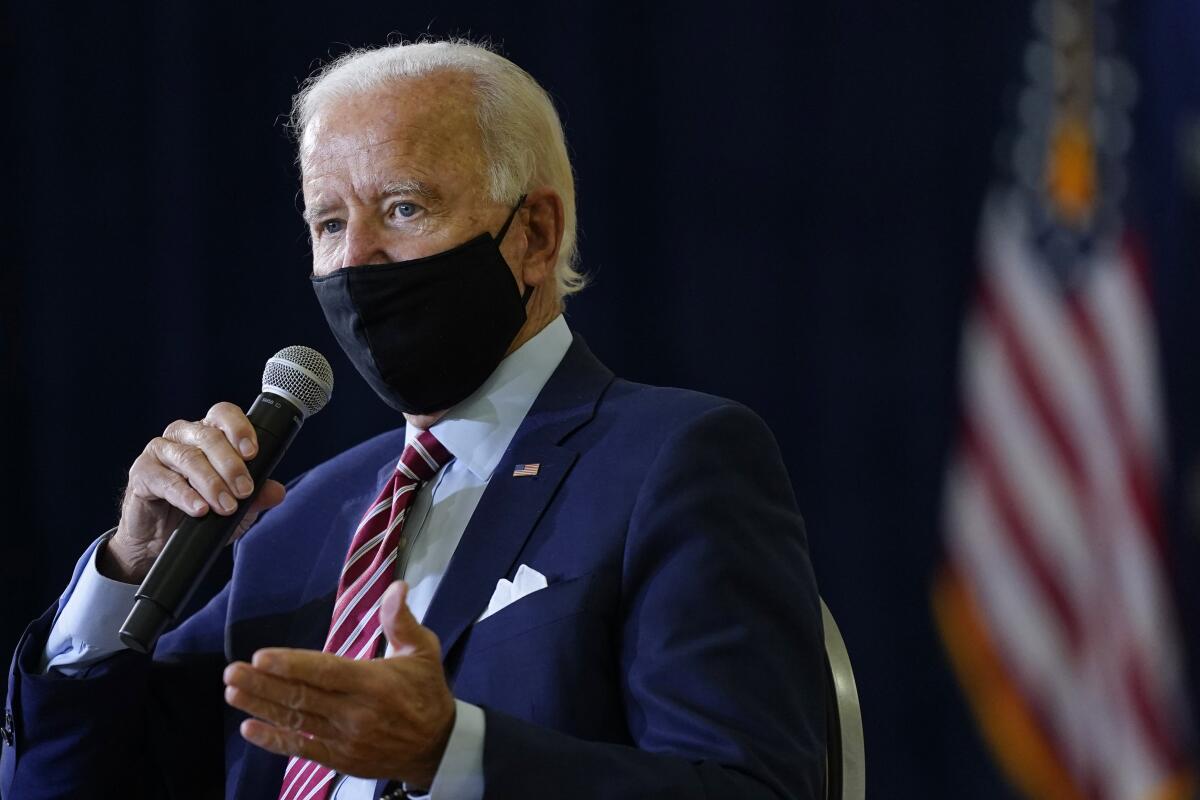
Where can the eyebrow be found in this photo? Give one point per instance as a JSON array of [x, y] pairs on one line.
[[411, 186], [312, 213]]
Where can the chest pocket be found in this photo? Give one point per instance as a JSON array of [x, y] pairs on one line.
[[549, 658], [558, 601]]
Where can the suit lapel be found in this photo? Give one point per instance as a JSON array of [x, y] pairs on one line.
[[511, 506], [494, 537]]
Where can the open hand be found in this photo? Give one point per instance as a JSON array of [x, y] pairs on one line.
[[378, 718]]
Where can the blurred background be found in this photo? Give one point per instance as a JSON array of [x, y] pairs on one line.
[[779, 202]]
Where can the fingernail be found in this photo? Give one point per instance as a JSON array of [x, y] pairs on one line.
[[390, 603], [243, 485], [247, 447], [198, 506], [226, 501]]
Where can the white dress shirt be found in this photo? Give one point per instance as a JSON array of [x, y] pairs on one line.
[[477, 431]]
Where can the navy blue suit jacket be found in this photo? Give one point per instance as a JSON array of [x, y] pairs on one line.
[[677, 651]]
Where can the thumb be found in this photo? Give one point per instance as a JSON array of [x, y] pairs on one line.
[[401, 628]]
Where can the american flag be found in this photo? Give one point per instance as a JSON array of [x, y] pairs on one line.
[[526, 470], [1054, 602]]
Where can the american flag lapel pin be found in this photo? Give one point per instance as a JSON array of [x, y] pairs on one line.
[[525, 470]]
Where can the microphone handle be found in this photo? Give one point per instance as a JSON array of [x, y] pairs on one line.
[[194, 546]]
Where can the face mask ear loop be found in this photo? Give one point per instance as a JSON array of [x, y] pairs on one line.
[[500, 237], [511, 216]]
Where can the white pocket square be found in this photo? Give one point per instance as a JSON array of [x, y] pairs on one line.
[[525, 582]]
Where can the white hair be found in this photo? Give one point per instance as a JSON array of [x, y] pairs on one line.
[[523, 140]]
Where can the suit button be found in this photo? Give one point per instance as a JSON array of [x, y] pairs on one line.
[[7, 731]]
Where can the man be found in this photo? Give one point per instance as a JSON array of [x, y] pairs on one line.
[[603, 588]]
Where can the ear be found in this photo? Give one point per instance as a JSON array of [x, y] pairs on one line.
[[542, 217]]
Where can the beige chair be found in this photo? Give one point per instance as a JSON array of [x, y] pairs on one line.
[[845, 762]]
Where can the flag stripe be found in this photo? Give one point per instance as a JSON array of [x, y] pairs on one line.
[[1041, 662], [1039, 480], [1103, 364], [1136, 340], [1016, 730], [1026, 375], [1023, 538], [1054, 524], [1036, 386], [1136, 479], [1126, 323]]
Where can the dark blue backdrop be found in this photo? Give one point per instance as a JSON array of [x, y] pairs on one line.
[[778, 204]]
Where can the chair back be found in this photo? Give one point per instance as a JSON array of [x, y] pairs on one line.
[[845, 761]]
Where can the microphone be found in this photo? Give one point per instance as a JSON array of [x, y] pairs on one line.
[[297, 383]]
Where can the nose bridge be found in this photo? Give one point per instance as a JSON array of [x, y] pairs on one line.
[[364, 241]]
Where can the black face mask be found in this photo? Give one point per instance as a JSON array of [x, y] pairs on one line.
[[427, 332]]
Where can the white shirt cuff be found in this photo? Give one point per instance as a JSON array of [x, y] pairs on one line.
[[460, 773], [89, 619]]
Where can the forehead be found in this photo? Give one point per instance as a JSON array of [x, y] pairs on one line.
[[421, 127]]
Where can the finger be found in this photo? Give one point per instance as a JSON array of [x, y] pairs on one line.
[[290, 694], [322, 670], [228, 463], [270, 495], [279, 715], [150, 480], [406, 636], [192, 463], [244, 526], [290, 743], [236, 427]]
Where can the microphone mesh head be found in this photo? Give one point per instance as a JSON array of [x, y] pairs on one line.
[[302, 375]]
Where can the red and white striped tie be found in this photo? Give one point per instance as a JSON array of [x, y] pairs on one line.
[[354, 631]]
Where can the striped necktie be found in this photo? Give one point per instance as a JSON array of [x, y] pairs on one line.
[[354, 631]]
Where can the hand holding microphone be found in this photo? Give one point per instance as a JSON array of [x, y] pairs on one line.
[[194, 467], [202, 484]]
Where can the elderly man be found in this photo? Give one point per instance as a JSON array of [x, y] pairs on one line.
[[549, 583]]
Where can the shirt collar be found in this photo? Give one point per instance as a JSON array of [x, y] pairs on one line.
[[478, 430]]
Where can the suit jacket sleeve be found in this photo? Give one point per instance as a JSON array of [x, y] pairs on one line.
[[721, 653], [130, 726]]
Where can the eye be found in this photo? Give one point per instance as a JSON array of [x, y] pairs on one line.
[[405, 210], [330, 226]]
